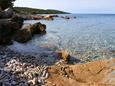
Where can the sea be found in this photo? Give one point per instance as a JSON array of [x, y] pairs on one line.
[[87, 37]]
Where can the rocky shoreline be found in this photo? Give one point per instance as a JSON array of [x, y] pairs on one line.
[[26, 70], [46, 69], [11, 26], [20, 70]]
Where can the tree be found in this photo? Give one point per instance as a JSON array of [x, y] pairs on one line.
[[5, 4]]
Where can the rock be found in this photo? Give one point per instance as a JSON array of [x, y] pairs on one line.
[[22, 36], [36, 28], [18, 20], [66, 17], [9, 12], [97, 73], [34, 81], [62, 16], [74, 17], [37, 17], [48, 17], [24, 16], [55, 16], [7, 29], [0, 9], [64, 55], [6, 14], [11, 29]]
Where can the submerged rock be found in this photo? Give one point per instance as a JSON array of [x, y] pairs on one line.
[[66, 17]]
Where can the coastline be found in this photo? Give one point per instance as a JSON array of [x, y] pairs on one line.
[[29, 70], [50, 68]]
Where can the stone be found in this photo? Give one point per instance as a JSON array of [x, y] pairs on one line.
[[18, 20], [33, 81], [66, 17], [37, 17], [8, 13], [22, 36], [36, 28], [48, 17], [7, 29], [96, 73], [55, 15], [63, 55]]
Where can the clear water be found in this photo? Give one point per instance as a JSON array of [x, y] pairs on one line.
[[88, 37]]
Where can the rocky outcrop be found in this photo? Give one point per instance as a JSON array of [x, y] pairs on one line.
[[25, 34], [22, 36], [37, 17], [11, 29], [48, 17], [7, 28], [27, 70], [18, 21], [97, 73], [37, 28], [6, 14]]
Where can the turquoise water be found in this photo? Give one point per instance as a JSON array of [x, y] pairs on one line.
[[87, 37]]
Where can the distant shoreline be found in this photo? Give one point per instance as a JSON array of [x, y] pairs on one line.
[[26, 10]]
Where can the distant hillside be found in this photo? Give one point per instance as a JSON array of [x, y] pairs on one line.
[[26, 10]]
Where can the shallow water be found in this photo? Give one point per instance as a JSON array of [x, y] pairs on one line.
[[88, 37]]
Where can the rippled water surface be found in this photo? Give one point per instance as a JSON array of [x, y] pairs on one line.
[[87, 37]]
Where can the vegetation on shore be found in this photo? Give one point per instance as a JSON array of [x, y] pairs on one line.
[[5, 4], [26, 10]]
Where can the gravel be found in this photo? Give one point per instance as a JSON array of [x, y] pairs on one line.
[[22, 70]]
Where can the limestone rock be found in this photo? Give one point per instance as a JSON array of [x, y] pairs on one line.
[[97, 73], [63, 55], [48, 17]]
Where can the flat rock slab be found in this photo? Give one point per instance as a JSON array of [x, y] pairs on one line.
[[97, 73]]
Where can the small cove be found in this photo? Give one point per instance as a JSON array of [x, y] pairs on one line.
[[88, 37]]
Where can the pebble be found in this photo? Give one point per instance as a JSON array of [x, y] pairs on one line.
[[20, 70]]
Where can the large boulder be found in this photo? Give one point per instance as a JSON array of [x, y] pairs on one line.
[[37, 28], [6, 14], [18, 21], [22, 36], [26, 33], [7, 29]]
